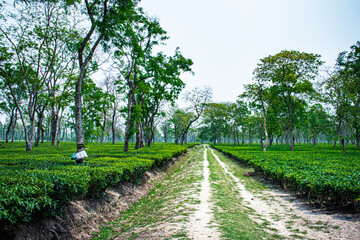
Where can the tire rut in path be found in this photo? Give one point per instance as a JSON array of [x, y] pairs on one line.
[[200, 224]]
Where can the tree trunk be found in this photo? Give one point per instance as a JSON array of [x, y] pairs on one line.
[[271, 140], [39, 125], [113, 126], [243, 136], [54, 120], [128, 126], [291, 131], [14, 127], [79, 130], [42, 135], [59, 130], [22, 133], [30, 141], [298, 136], [103, 129], [250, 139], [137, 142], [314, 140], [266, 134], [9, 126]]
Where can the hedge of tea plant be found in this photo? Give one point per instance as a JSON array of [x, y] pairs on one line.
[[41, 182], [323, 174]]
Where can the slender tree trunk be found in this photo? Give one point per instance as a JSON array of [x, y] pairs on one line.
[[9, 126], [357, 135], [298, 136], [128, 122], [250, 139], [14, 127], [271, 141], [30, 141], [103, 128], [39, 125], [243, 136], [113, 127], [137, 142], [42, 135], [266, 134], [291, 135], [338, 130], [59, 130], [22, 133], [79, 129], [54, 120]]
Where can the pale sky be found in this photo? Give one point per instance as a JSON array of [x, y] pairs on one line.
[[227, 38]]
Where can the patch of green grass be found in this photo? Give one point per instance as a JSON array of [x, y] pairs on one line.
[[244, 172], [231, 216]]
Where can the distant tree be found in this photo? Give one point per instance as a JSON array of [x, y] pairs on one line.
[[133, 58], [349, 69], [197, 100], [215, 118], [180, 120], [289, 76], [318, 121], [334, 93], [259, 95], [241, 112]]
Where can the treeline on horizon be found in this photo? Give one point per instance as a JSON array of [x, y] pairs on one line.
[[50, 50], [292, 99]]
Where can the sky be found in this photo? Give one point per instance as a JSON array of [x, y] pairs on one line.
[[227, 38]]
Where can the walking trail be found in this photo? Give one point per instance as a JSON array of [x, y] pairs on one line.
[[290, 217], [199, 226]]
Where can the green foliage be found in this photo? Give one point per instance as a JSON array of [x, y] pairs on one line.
[[43, 181], [320, 173]]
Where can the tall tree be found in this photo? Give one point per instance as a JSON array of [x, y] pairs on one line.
[[259, 93], [349, 67], [334, 94], [289, 75], [133, 53], [105, 18], [197, 100]]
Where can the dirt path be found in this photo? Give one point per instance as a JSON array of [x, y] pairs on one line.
[[199, 226], [291, 218]]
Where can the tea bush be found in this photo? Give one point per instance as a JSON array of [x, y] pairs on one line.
[[41, 182], [323, 174]]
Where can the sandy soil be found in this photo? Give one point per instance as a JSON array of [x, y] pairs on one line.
[[293, 219], [199, 226]]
